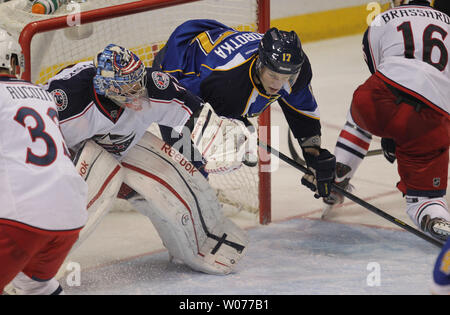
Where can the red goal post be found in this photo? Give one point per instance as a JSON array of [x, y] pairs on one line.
[[107, 13]]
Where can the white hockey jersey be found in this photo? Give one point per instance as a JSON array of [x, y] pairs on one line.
[[409, 46], [85, 115], [40, 188]]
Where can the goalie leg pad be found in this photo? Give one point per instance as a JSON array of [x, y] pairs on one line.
[[104, 176], [183, 208]]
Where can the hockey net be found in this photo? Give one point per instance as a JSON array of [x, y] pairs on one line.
[[78, 30]]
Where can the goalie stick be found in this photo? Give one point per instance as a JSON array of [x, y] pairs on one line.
[[354, 198]]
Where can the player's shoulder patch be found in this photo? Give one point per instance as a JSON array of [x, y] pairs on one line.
[[160, 79], [60, 98]]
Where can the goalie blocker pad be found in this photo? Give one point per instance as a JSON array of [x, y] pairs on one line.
[[182, 207]]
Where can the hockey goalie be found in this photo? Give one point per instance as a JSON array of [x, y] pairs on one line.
[[107, 125]]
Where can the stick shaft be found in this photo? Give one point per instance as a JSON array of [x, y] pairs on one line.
[[355, 199]]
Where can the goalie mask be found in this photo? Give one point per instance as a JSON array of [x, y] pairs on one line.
[[121, 75], [280, 59], [11, 56]]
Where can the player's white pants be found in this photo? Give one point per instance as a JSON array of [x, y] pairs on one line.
[[182, 207]]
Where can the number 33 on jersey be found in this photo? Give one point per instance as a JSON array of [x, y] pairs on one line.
[[404, 41], [36, 113], [36, 173]]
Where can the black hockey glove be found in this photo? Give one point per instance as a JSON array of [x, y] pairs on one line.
[[323, 167], [388, 146]]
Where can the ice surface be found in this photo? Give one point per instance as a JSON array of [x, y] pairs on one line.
[[298, 256]]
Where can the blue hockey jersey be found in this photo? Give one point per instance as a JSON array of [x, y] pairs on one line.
[[441, 272], [217, 63]]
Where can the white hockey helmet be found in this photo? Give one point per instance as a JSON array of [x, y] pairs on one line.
[[10, 49]]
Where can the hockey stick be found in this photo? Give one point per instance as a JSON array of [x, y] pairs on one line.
[[298, 159], [355, 199]]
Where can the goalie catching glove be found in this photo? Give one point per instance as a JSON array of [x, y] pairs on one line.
[[224, 143], [322, 167]]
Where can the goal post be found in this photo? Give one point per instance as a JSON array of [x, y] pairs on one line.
[[52, 42], [264, 184]]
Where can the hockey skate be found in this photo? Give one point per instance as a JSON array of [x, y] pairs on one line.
[[335, 198], [436, 227]]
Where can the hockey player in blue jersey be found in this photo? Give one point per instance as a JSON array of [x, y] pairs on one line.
[[441, 273], [242, 73]]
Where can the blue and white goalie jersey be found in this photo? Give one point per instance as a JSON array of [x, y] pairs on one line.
[[84, 114]]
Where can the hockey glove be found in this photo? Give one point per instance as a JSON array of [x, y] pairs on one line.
[[323, 168], [222, 141], [388, 146]]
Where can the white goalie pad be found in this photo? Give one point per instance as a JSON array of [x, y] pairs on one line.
[[104, 176], [182, 207], [224, 143]]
